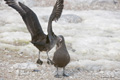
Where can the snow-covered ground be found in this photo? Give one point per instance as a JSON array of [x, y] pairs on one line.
[[92, 38]]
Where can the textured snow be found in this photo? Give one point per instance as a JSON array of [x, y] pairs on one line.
[[27, 65], [67, 18], [92, 36], [74, 4]]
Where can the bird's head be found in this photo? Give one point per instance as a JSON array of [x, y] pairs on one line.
[[60, 40]]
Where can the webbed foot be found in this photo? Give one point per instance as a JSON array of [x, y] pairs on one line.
[[57, 76], [49, 61], [65, 75], [39, 62]]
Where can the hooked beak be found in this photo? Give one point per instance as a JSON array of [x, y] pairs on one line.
[[58, 44], [59, 41]]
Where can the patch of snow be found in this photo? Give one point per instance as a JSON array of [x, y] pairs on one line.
[[67, 18], [29, 3], [28, 49], [98, 65], [14, 37], [28, 65]]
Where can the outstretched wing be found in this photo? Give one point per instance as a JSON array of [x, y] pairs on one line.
[[57, 10], [29, 17], [56, 13], [14, 5]]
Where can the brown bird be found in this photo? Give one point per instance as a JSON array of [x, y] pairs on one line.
[[61, 56], [39, 39]]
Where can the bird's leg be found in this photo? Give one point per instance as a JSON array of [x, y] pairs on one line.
[[65, 75], [57, 75], [39, 61], [49, 61]]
